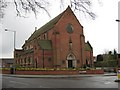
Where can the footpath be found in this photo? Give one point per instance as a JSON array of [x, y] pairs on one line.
[[58, 76]]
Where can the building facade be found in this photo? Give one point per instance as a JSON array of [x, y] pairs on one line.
[[89, 55], [60, 43], [6, 62]]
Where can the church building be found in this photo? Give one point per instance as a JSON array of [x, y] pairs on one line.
[[60, 43]]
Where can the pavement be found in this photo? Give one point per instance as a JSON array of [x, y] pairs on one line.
[[59, 76]]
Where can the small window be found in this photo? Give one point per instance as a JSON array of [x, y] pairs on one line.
[[29, 61], [16, 54], [44, 36], [25, 60], [49, 59]]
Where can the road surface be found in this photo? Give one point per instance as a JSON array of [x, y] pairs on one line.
[[77, 82]]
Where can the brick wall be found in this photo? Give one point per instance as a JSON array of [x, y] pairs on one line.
[[56, 72], [89, 57], [61, 40]]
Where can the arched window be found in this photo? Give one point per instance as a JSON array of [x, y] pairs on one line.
[[70, 44]]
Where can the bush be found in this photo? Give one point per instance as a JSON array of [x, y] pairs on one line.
[[39, 69], [33, 69]]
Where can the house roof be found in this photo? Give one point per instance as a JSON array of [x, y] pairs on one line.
[[7, 60], [45, 44], [88, 47], [46, 27]]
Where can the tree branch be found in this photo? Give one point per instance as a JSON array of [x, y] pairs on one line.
[[84, 6], [16, 6], [40, 6], [24, 6]]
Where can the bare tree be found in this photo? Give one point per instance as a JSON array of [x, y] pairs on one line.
[[25, 6], [36, 5], [3, 5], [31, 5], [81, 6]]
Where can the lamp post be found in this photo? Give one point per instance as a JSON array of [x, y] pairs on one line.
[[118, 70], [117, 20], [7, 30]]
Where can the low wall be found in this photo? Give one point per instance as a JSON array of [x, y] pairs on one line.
[[5, 71], [49, 72], [55, 72]]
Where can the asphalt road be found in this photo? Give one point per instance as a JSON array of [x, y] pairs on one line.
[[78, 82]]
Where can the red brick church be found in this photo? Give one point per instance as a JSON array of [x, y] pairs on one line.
[[60, 43]]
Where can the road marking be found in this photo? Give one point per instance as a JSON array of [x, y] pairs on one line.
[[107, 82], [19, 82]]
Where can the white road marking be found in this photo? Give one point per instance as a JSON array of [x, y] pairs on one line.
[[107, 82], [19, 82]]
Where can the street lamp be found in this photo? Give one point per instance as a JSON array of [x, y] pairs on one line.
[[14, 35], [117, 20], [118, 70]]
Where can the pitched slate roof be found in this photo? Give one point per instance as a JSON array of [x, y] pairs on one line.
[[88, 47], [45, 44], [46, 27]]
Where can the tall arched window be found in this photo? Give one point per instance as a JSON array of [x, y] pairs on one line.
[[70, 44]]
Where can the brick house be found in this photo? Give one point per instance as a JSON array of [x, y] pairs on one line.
[[89, 54], [6, 62], [60, 43]]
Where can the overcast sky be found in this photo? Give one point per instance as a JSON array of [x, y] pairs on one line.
[[102, 33]]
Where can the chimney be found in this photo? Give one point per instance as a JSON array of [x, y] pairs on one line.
[[35, 28]]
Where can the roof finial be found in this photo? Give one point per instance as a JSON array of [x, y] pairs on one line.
[[69, 7]]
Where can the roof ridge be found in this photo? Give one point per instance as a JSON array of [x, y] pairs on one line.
[[48, 26], [61, 14]]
